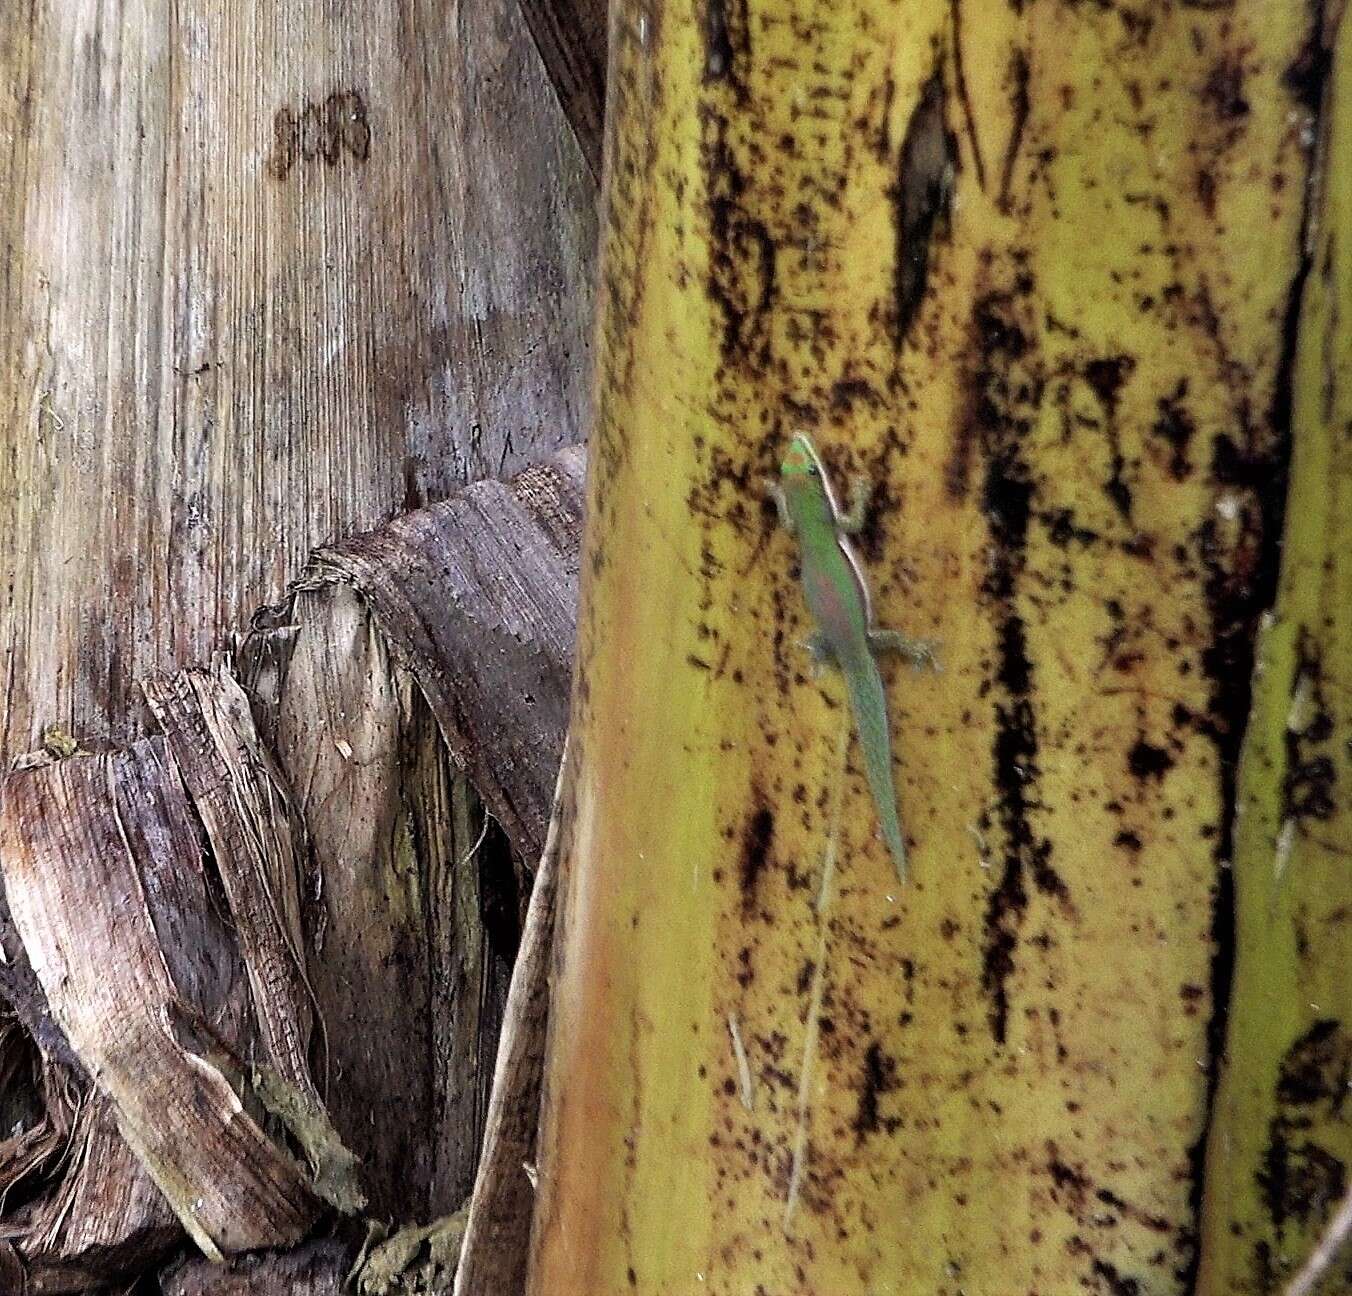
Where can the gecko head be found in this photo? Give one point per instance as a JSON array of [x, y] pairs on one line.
[[800, 459]]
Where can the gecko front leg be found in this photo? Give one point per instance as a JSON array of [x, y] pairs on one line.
[[921, 653], [851, 521], [776, 492]]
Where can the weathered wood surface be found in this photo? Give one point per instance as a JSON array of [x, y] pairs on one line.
[[245, 811], [315, 1269], [401, 969], [448, 630], [482, 591], [102, 869], [270, 273], [299, 847], [105, 1215], [23, 997]]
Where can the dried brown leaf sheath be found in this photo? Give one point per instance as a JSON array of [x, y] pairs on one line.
[[478, 597], [206, 720], [157, 892], [77, 891]]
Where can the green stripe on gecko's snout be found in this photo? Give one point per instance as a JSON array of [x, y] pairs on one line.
[[799, 460]]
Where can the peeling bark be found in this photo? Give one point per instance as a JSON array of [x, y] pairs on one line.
[[315, 1269], [295, 849], [77, 888], [493, 655]]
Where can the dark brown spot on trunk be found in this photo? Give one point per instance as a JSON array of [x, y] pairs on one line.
[[1223, 92], [1311, 787], [1147, 761], [880, 1077], [1317, 1068], [920, 200], [757, 838], [1116, 1283], [1175, 427]]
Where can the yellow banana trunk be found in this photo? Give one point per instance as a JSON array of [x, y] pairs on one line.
[[1281, 1137], [1032, 268]]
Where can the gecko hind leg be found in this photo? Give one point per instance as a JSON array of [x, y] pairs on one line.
[[921, 653], [818, 648]]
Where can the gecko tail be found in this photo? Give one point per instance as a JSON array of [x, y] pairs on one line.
[[869, 703]]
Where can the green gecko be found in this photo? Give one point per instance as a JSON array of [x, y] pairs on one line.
[[838, 598]]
